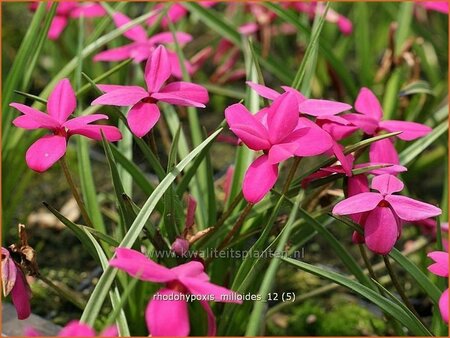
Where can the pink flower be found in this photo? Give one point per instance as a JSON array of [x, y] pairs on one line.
[[175, 13], [384, 212], [313, 8], [76, 329], [167, 312], [280, 133], [370, 120], [391, 169], [142, 46], [312, 107], [15, 283], [438, 6], [144, 112], [440, 268], [61, 104], [69, 10]]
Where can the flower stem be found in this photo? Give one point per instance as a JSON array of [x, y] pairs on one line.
[[398, 287], [291, 175], [75, 192], [236, 226], [63, 293]]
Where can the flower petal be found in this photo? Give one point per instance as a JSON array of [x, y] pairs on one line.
[[57, 26], [409, 209], [410, 130], [366, 123], [139, 266], [357, 184], [115, 54], [387, 184], [282, 117], [190, 269], [77, 329], [365, 201], [263, 91], [323, 107], [212, 329], [9, 272], [345, 162], [142, 117], [82, 121], [314, 142], [440, 267], [45, 152], [167, 317], [443, 305], [368, 104], [20, 296], [300, 97], [247, 127], [157, 69], [383, 151], [381, 230], [280, 152], [167, 37], [136, 33], [33, 118], [112, 134], [184, 94], [125, 96], [197, 286], [62, 101], [260, 177], [88, 11]]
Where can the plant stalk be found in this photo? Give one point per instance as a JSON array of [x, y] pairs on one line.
[[75, 192]]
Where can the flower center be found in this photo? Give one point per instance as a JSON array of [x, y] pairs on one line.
[[149, 100], [177, 286], [383, 204]]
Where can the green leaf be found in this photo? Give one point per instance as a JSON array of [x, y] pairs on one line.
[[136, 173], [28, 51], [421, 279], [100, 292], [307, 67], [77, 230], [120, 318], [404, 19], [324, 48], [255, 322], [363, 45], [397, 312], [416, 87]]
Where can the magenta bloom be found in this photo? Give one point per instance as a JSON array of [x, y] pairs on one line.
[[144, 112], [315, 7], [280, 133], [370, 120], [319, 109], [61, 104], [440, 268], [76, 329], [70, 10], [142, 46], [175, 13], [167, 312], [437, 6], [15, 283], [384, 212]]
